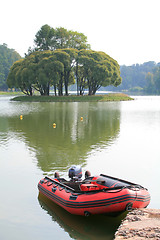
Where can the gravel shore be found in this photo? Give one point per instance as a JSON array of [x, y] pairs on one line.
[[140, 224]]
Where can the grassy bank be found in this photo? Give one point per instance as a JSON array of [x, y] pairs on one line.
[[10, 93], [74, 98]]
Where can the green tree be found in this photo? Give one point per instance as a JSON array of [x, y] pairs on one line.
[[48, 38], [54, 69], [45, 38], [61, 57], [156, 79], [150, 85], [39, 71], [78, 41], [134, 76], [69, 69], [64, 58], [49, 72], [99, 69], [21, 76], [62, 38], [43, 69], [7, 58]]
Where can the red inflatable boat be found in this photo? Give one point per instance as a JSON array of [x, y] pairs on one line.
[[94, 195]]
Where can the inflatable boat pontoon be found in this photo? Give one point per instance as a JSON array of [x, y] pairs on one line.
[[95, 194]]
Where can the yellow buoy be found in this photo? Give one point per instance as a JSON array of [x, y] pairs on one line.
[[81, 118], [21, 117], [54, 125]]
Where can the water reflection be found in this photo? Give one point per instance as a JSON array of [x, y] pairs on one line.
[[79, 227], [72, 139]]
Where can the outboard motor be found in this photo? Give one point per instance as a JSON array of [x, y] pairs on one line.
[[75, 173]]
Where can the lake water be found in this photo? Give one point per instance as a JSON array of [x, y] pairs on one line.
[[120, 139]]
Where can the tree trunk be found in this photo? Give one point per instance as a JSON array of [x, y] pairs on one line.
[[66, 82], [55, 91], [81, 91], [48, 87], [89, 90], [30, 91], [77, 78], [66, 89], [94, 91], [61, 86]]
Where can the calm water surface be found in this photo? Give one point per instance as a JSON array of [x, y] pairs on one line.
[[117, 138]]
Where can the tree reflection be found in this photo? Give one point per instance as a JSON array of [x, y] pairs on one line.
[[72, 139]]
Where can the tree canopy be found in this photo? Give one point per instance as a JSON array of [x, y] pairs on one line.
[[59, 59], [61, 68], [7, 58], [48, 38], [153, 81], [96, 69]]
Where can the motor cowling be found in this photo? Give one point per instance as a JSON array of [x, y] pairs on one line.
[[75, 172]]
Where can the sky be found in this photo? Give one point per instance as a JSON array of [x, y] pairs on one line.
[[127, 30]]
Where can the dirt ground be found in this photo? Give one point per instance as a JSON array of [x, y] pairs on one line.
[[140, 224]]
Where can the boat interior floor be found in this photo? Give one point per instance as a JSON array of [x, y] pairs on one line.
[[73, 184]]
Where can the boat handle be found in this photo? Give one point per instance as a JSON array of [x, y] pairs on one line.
[[49, 183], [61, 188]]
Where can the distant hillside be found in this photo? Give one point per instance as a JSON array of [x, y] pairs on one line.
[[7, 58], [134, 77]]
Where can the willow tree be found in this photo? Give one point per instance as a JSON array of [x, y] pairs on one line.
[[41, 70], [20, 76], [49, 70], [69, 76], [54, 70], [99, 69], [59, 68]]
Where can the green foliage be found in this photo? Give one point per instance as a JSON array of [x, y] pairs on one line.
[[7, 58], [48, 38], [156, 79], [140, 78], [153, 81], [150, 86], [77, 41], [39, 71], [20, 76], [59, 58], [43, 69], [44, 39], [135, 75], [98, 69]]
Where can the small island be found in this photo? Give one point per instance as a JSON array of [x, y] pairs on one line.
[[74, 98]]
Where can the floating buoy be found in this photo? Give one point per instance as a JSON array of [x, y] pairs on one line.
[[81, 119], [21, 117], [54, 125]]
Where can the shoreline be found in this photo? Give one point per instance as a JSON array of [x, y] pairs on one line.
[[140, 224], [74, 98]]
